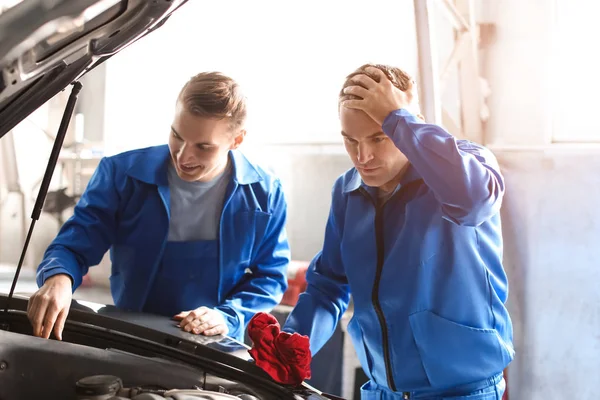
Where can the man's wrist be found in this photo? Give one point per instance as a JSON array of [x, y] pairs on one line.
[[61, 278]]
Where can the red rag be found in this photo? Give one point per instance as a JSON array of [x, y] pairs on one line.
[[285, 357], [263, 329], [293, 351]]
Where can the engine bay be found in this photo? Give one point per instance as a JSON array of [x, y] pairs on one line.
[[34, 368], [111, 387]]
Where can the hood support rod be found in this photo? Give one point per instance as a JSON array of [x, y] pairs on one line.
[[41, 197]]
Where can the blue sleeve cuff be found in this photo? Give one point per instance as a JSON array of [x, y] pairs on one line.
[[232, 321], [44, 274], [390, 122]]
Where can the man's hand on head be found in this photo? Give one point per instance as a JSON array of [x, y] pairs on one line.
[[202, 320], [377, 99]]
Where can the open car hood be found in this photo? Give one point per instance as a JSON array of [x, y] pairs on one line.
[[149, 327], [47, 44], [139, 348]]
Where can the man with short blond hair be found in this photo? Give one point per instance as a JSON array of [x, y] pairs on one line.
[[195, 230]]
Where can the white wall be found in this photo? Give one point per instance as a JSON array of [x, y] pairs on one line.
[[551, 218], [552, 231], [576, 71], [518, 67]]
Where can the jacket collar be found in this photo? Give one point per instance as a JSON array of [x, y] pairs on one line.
[[355, 182], [152, 167], [245, 173]]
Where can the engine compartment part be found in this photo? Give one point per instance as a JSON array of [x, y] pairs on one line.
[[35, 368], [98, 386], [108, 387]]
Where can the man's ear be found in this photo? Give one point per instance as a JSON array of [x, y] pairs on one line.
[[238, 139]]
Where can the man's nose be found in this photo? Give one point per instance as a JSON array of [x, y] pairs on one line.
[[364, 154], [185, 151]]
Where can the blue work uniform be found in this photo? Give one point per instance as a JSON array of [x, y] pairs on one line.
[[424, 270], [125, 208]]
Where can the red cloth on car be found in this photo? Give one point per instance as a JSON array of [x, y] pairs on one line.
[[284, 356]]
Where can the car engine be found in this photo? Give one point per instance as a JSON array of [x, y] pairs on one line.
[[108, 387], [76, 371]]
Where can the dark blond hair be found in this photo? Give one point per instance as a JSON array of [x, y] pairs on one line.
[[214, 95], [399, 78]]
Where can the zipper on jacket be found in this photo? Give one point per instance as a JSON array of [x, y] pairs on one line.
[[379, 241], [375, 297]]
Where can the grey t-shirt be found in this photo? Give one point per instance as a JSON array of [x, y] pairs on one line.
[[196, 206]]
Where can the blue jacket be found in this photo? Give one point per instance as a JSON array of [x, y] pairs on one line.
[[126, 208], [424, 271]]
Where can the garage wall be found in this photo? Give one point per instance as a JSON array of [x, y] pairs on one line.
[[550, 215]]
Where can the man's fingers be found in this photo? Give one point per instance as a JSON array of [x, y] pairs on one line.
[[217, 330], [198, 328], [185, 324], [31, 309], [45, 306], [52, 312], [59, 325], [357, 91], [208, 324], [38, 316], [214, 322], [181, 315], [29, 305], [198, 320], [34, 315], [189, 325], [189, 316], [364, 80], [201, 311], [202, 327], [355, 104], [377, 72]]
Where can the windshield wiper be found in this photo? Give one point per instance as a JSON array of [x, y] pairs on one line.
[[41, 197]]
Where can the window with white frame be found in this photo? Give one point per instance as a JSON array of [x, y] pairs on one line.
[[576, 71], [290, 57]]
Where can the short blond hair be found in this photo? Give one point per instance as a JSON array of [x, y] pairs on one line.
[[214, 95]]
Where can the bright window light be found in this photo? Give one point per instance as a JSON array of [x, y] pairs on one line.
[[290, 57], [576, 72]]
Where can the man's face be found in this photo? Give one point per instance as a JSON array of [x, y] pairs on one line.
[[199, 145], [375, 156]]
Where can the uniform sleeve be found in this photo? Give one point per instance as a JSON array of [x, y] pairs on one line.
[[464, 176], [84, 239], [322, 305], [264, 290]]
